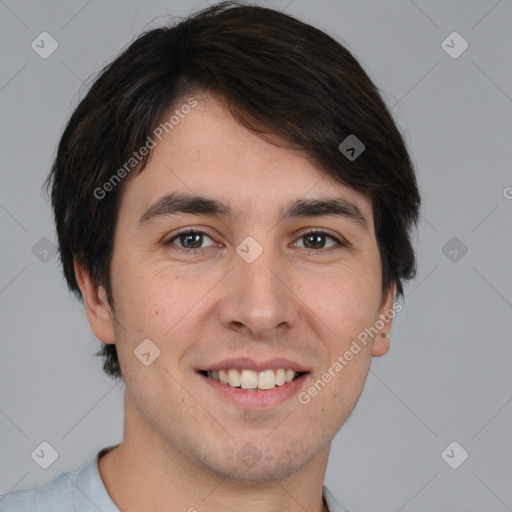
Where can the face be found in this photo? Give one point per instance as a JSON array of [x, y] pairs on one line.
[[259, 281]]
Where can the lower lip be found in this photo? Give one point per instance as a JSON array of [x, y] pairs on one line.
[[252, 399]]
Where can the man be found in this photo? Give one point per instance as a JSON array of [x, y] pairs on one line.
[[233, 204]]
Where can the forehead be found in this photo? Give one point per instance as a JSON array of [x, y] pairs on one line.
[[208, 153]]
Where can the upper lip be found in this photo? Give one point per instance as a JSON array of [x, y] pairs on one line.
[[245, 363]]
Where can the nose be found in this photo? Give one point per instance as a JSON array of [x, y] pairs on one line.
[[259, 299]]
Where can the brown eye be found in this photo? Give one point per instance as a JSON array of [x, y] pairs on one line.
[[189, 241], [316, 240]]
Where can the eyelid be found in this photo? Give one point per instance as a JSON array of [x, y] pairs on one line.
[[321, 231], [340, 241], [186, 231]]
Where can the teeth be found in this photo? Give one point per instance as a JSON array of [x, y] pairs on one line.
[[249, 379], [233, 378], [223, 376], [280, 377], [267, 380]]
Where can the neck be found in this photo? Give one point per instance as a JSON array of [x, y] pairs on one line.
[[144, 473]]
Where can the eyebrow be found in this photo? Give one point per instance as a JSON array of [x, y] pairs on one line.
[[184, 203]]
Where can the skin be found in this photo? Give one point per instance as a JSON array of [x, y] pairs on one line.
[[181, 439]]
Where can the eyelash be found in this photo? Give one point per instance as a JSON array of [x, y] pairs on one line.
[[339, 243]]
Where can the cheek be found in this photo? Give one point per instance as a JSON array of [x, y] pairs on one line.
[[347, 301], [148, 298], [157, 304], [334, 393]]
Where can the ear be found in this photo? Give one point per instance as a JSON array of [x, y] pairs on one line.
[[386, 313], [97, 308]]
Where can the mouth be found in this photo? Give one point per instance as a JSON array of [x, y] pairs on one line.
[[251, 380], [256, 385]]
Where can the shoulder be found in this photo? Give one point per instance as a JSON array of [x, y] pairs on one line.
[[81, 490], [56, 496], [332, 504]]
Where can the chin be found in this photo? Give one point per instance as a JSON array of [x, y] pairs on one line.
[[262, 472], [249, 465]]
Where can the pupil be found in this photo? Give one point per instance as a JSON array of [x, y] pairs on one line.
[[195, 240], [188, 239], [319, 240]]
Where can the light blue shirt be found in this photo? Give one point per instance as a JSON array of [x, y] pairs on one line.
[[82, 491]]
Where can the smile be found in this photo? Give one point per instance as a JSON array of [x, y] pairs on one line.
[[252, 380]]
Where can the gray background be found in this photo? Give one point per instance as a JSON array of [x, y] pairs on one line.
[[447, 376]]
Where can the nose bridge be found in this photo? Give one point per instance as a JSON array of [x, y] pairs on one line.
[[257, 294]]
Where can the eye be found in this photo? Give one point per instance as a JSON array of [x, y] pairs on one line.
[[315, 240], [190, 241]]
